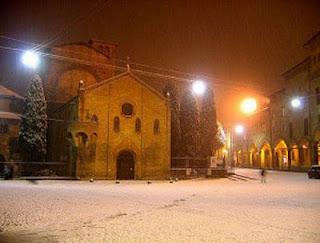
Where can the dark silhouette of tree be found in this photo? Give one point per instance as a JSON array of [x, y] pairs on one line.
[[208, 125], [33, 128], [170, 92], [189, 124]]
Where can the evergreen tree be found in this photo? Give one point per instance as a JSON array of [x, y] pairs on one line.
[[33, 128], [208, 125], [221, 138], [189, 124], [170, 92]]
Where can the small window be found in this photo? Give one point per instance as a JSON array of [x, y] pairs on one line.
[[290, 130], [94, 119], [306, 126], [82, 139], [4, 127], [116, 124], [138, 125], [127, 109], [156, 126]]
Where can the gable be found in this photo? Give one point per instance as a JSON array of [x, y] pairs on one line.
[[121, 78]]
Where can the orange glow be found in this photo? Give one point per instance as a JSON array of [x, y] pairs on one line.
[[248, 105]]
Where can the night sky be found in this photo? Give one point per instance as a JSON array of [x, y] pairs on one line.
[[244, 43]]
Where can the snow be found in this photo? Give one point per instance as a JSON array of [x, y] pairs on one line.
[[240, 209]]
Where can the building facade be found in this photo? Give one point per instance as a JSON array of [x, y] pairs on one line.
[[10, 110], [118, 128], [282, 136]]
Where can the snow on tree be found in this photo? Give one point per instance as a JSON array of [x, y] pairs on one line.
[[220, 137], [189, 124], [33, 128], [170, 92], [208, 124]]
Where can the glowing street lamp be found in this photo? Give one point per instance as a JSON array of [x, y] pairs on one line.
[[296, 103], [30, 59], [248, 105], [199, 87], [239, 129]]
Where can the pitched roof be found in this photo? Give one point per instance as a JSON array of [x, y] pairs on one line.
[[5, 92], [9, 115], [127, 73]]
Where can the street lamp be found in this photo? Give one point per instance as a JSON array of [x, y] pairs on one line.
[[239, 129], [30, 59], [248, 105], [199, 87], [296, 103]]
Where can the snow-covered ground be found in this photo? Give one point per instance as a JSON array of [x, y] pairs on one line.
[[285, 209]]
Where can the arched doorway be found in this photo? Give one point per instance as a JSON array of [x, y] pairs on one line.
[[253, 158], [266, 156], [305, 154], [295, 156], [281, 153], [239, 158], [125, 165]]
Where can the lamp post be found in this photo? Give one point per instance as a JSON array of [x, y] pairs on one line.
[[199, 87], [30, 59]]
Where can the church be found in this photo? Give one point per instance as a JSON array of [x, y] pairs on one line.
[[104, 124]]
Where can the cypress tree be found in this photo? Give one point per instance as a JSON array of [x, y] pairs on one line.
[[170, 92], [33, 128], [189, 124], [208, 125]]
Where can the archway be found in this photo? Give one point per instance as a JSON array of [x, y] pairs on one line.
[[294, 156], [239, 158], [253, 158], [125, 165], [266, 156], [305, 154], [281, 155], [316, 147]]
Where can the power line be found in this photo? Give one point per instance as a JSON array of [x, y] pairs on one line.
[[143, 72], [189, 75]]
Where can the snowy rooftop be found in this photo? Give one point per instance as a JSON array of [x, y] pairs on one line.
[[9, 93], [9, 115]]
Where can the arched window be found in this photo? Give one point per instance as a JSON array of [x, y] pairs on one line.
[[94, 119], [82, 139], [127, 109], [156, 126], [116, 124], [3, 127], [138, 125]]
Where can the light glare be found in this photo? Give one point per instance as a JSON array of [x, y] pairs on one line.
[[30, 59], [198, 87], [239, 129], [249, 105], [296, 103]]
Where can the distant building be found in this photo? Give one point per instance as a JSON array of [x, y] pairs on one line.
[[10, 110], [281, 136]]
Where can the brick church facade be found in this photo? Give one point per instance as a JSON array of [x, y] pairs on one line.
[[105, 125]]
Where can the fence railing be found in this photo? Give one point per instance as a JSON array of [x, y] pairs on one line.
[[31, 168]]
